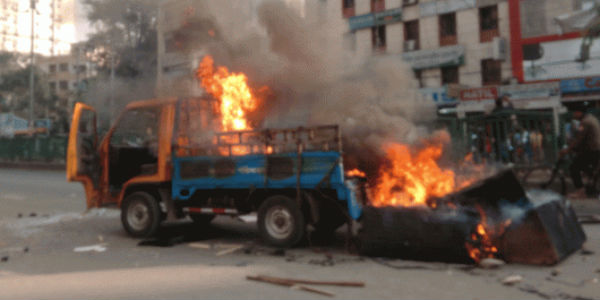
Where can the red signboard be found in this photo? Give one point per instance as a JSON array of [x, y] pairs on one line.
[[478, 94]]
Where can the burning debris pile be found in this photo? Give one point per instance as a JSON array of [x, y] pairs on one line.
[[492, 218]]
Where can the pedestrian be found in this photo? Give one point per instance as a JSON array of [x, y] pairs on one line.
[[585, 146]]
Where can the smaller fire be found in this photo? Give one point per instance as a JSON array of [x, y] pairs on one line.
[[355, 173], [482, 242]]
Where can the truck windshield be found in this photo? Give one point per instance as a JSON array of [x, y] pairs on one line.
[[137, 128]]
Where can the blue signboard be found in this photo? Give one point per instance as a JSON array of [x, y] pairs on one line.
[[375, 19], [578, 85], [438, 95], [362, 21]]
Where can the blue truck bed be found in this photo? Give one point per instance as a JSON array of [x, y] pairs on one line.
[[307, 170]]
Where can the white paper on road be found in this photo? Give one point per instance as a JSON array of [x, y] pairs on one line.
[[95, 248]]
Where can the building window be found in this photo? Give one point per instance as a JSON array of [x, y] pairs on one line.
[[409, 2], [348, 8], [488, 23], [419, 77], [64, 67], [52, 69], [411, 36], [378, 38], [52, 86], [63, 85], [449, 75], [377, 5], [491, 72], [447, 29]]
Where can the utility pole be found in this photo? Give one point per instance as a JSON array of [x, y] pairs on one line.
[[31, 71]]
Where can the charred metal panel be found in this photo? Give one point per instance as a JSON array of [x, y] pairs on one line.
[[195, 169], [224, 167], [416, 233], [548, 233], [279, 167]]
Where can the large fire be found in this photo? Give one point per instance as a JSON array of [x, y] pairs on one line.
[[236, 99], [410, 179]]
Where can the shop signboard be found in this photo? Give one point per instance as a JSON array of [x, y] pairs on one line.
[[375, 19], [479, 94], [578, 85], [531, 90], [439, 95], [435, 58], [440, 7], [559, 59], [361, 21]]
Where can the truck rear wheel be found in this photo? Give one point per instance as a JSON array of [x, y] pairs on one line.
[[140, 214], [280, 221]]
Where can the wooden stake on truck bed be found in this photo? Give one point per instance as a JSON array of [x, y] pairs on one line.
[[290, 284]]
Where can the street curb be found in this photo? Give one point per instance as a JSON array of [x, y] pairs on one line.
[[33, 166]]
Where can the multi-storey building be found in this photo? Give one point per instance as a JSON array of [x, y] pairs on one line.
[[53, 25], [67, 75]]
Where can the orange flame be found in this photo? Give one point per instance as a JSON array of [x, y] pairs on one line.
[[483, 239], [236, 98], [411, 179], [355, 173]]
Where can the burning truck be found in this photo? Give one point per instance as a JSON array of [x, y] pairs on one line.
[[166, 159]]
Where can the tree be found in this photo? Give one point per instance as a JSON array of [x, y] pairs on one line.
[[125, 36]]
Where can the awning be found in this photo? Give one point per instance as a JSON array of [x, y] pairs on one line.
[[579, 20]]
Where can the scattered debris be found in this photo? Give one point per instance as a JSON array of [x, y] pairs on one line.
[[326, 262], [491, 263], [555, 272], [20, 215], [242, 264], [411, 266], [4, 258], [100, 238], [230, 250], [95, 248], [26, 249], [290, 284], [33, 215], [200, 245], [585, 251], [589, 219], [512, 279], [317, 282]]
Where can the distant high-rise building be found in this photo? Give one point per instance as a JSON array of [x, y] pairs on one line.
[[54, 25]]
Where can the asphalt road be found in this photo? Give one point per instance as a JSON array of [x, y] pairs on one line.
[[43, 221]]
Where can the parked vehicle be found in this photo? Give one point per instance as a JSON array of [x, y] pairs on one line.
[[162, 160]]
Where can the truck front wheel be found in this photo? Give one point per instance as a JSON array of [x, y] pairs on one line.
[[140, 214], [280, 221]]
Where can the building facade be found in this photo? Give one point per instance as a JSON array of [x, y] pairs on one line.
[[54, 24], [67, 75]]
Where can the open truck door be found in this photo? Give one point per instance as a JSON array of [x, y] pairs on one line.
[[83, 162]]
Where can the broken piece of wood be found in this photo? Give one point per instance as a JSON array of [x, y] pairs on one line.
[[290, 285], [317, 282], [229, 250], [200, 245]]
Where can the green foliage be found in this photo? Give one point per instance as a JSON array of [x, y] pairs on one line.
[[125, 36]]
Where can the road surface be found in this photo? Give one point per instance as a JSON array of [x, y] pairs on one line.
[[43, 221]]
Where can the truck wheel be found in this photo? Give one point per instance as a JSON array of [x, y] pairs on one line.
[[280, 221], [140, 214], [201, 220]]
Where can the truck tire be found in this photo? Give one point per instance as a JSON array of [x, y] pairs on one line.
[[140, 214], [280, 221]]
